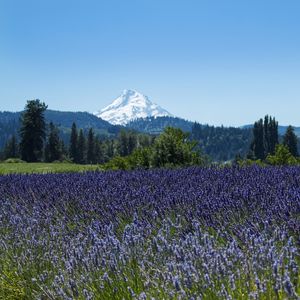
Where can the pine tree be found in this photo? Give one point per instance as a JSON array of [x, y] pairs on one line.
[[110, 149], [33, 131], [64, 150], [265, 137], [81, 148], [91, 147], [53, 147], [123, 143], [258, 140], [99, 151], [73, 153], [11, 148], [132, 142], [290, 140], [273, 135]]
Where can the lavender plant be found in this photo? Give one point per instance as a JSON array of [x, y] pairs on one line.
[[195, 233]]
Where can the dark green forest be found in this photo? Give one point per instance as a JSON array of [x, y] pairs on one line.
[[219, 143]]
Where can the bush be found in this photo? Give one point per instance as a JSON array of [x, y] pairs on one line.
[[14, 160], [281, 157], [171, 149], [118, 163], [249, 162]]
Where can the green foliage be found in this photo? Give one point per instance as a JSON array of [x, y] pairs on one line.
[[171, 149], [222, 143], [90, 156], [258, 140], [11, 148], [118, 163], [81, 148], [249, 162], [156, 125], [53, 149], [282, 156], [14, 160], [17, 167], [73, 143], [33, 131], [127, 142], [290, 140], [265, 137]]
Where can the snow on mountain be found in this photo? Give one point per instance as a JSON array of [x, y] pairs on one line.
[[129, 106]]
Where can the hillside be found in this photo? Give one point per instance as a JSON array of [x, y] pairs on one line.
[[155, 125], [218, 142], [9, 123]]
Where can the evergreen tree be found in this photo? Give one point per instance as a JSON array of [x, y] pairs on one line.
[[91, 147], [123, 143], [131, 142], [110, 149], [258, 140], [265, 137], [290, 140], [99, 151], [73, 153], [64, 150], [273, 135], [81, 148], [33, 131], [53, 147], [11, 148]]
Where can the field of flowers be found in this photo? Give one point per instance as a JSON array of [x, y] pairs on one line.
[[195, 233]]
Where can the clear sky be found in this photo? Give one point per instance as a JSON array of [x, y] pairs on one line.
[[215, 61]]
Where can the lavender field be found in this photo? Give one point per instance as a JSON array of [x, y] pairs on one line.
[[195, 233]]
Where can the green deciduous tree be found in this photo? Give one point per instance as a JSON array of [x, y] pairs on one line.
[[282, 156], [33, 131], [173, 148]]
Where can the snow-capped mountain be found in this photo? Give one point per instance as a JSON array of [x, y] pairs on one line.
[[129, 106]]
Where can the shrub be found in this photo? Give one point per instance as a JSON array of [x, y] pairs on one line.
[[14, 160]]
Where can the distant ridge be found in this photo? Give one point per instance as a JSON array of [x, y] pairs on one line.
[[10, 124]]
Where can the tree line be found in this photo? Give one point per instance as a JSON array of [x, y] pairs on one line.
[[38, 141], [267, 147]]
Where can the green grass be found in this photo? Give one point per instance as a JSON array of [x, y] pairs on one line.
[[29, 168]]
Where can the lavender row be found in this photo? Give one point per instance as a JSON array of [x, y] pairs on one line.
[[163, 234]]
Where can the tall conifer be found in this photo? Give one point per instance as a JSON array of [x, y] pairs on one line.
[[73, 144], [33, 131], [81, 148], [290, 140], [53, 146]]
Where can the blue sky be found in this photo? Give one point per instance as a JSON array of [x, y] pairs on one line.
[[224, 62]]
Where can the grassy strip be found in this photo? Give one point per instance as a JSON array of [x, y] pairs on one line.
[[30, 168]]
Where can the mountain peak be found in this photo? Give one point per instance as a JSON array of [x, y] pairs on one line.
[[130, 105]]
